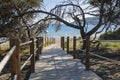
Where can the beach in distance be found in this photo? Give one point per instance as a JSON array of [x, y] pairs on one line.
[[64, 31]]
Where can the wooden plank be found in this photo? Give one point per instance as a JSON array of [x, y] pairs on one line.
[[25, 63], [105, 58], [28, 42], [55, 64]]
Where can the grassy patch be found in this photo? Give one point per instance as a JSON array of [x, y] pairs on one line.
[[78, 44], [4, 47], [24, 49], [111, 45]]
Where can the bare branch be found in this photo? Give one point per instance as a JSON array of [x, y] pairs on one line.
[[99, 23], [55, 16], [99, 32], [73, 8]]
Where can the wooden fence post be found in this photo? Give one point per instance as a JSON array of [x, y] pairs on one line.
[[47, 41], [41, 43], [15, 58], [62, 43], [87, 63], [37, 46], [33, 57], [50, 40], [67, 44], [74, 47], [44, 42], [54, 41]]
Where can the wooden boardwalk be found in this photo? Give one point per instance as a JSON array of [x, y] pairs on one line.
[[55, 64]]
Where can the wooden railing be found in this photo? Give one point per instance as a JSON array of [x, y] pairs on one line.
[[48, 41], [87, 50], [13, 55], [105, 58]]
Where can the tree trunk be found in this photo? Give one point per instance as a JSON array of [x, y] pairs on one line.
[[83, 36], [84, 44]]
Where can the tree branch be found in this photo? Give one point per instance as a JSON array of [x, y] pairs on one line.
[[100, 21], [74, 5], [56, 17]]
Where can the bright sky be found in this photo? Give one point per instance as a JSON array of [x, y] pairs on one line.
[[49, 4]]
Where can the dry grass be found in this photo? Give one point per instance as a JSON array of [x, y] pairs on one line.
[[110, 45], [4, 47]]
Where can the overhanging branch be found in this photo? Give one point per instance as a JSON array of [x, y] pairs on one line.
[[56, 17]]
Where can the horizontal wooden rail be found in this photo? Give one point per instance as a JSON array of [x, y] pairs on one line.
[[86, 51], [6, 58], [40, 44], [104, 40], [26, 62], [38, 48], [28, 42], [15, 77], [82, 50], [35, 50], [105, 58], [14, 56]]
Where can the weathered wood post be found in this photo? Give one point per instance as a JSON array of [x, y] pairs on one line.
[[53, 40], [44, 42], [74, 47], [33, 56], [50, 40], [38, 49], [87, 63], [15, 58], [62, 43], [67, 44], [41, 44], [47, 41]]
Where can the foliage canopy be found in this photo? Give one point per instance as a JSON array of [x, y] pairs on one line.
[[111, 35], [10, 23]]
